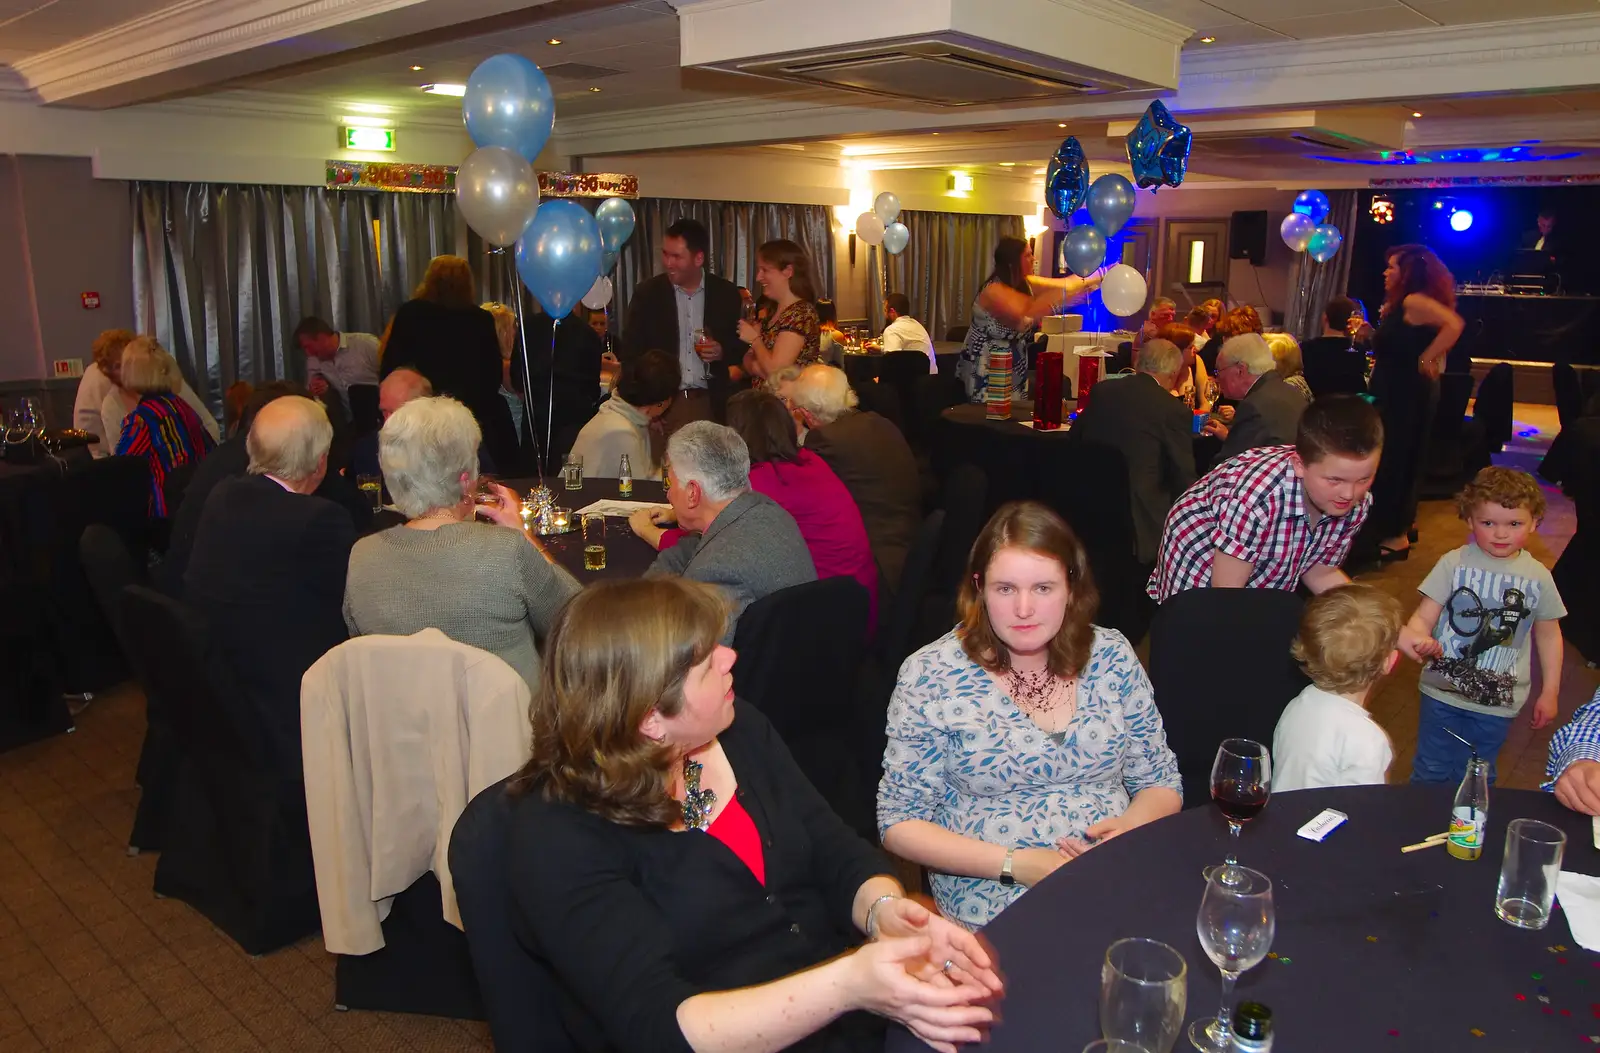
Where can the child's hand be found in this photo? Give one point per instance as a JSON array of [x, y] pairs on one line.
[[1419, 647], [1544, 710]]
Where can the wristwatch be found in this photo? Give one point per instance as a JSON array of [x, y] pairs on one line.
[[1006, 877]]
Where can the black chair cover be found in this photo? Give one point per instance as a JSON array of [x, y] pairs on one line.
[[519, 991], [897, 626], [176, 485], [902, 370], [1569, 392], [1577, 572], [1493, 406], [424, 965], [365, 417], [1457, 447], [931, 395], [1220, 666], [236, 846], [1088, 487]]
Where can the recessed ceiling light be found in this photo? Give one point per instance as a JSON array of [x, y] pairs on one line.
[[456, 90], [594, 89], [935, 133], [1008, 164], [1416, 113], [1208, 40], [416, 69], [553, 40], [1061, 125]]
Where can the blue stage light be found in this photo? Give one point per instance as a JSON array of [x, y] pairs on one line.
[[1460, 220]]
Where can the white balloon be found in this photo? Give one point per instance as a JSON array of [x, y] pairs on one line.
[[886, 207], [869, 228], [599, 293], [497, 192], [1123, 290]]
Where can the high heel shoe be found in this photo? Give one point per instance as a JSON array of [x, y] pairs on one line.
[[1393, 555]]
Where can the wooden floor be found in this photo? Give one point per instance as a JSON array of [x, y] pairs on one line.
[[91, 961]]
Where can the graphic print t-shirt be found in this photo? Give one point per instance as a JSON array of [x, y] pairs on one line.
[[1486, 628]]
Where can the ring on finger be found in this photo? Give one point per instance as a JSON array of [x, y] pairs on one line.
[[949, 963]]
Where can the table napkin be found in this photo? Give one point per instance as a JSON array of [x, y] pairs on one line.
[[1579, 895]]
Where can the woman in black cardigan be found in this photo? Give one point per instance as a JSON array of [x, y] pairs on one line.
[[442, 333], [686, 884]]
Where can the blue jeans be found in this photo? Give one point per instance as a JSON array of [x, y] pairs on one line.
[[1440, 758]]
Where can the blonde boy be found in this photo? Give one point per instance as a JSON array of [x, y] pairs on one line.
[[1326, 737]]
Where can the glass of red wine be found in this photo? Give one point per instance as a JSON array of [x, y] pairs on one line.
[[1241, 782]]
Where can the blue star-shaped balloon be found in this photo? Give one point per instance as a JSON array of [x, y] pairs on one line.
[[1158, 148], [1066, 181]]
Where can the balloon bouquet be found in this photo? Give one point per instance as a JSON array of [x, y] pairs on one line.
[[881, 226], [560, 251], [1303, 230]]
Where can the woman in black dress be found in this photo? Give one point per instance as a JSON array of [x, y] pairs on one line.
[[1418, 327], [442, 333]]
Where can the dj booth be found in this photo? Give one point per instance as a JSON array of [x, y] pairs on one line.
[[1528, 327]]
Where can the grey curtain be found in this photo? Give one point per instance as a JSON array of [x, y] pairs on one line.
[[942, 268], [1313, 284], [222, 273]]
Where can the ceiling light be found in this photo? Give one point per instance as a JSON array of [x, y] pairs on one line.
[[594, 89], [1416, 113], [935, 133], [553, 41], [1061, 125], [1208, 40], [351, 120], [456, 90], [416, 69], [1008, 164], [1382, 210], [368, 107], [1461, 220]]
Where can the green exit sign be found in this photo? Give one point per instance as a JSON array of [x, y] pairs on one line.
[[369, 139]]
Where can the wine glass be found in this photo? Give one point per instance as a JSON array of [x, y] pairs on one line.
[[1241, 782], [1144, 992], [703, 340], [1236, 924]]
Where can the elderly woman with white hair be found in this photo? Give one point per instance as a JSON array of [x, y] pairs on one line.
[[488, 585], [1291, 363], [160, 427], [120, 398]]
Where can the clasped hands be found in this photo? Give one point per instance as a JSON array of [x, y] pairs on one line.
[[930, 974]]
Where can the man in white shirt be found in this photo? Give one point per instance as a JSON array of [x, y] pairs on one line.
[[1326, 737], [645, 390], [905, 333], [336, 360]]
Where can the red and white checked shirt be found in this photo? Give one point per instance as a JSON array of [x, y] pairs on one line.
[[1252, 508]]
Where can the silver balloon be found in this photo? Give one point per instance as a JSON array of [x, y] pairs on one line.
[[869, 228], [498, 193], [896, 237], [886, 206], [599, 293]]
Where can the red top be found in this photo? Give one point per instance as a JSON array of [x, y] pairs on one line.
[[734, 828]]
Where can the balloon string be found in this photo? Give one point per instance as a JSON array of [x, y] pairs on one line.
[[550, 414], [527, 373]]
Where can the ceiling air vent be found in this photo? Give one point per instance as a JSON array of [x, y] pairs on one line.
[[928, 71], [578, 71]]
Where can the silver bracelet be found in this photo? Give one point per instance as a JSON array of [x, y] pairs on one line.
[[872, 913]]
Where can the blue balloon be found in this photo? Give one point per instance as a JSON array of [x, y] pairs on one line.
[[1324, 243], [558, 256], [1158, 148], [615, 219], [1313, 203], [608, 260], [1296, 230], [896, 236], [1084, 250], [509, 103], [1066, 181], [1110, 203]]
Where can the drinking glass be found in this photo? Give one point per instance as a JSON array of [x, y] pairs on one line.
[[1241, 782], [572, 472], [1236, 925], [703, 340], [594, 541], [371, 487], [32, 415], [1144, 991], [1115, 1045], [1528, 873]]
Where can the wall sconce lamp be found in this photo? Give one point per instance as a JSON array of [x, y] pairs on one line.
[[852, 249]]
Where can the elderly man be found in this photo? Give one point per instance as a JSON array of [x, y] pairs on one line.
[[868, 454], [397, 389], [1268, 410], [1139, 416], [1163, 312], [1573, 770], [335, 360], [742, 541], [268, 567]]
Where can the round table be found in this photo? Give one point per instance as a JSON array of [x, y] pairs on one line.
[[1376, 950], [627, 556]]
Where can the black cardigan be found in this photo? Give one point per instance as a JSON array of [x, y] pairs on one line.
[[634, 921]]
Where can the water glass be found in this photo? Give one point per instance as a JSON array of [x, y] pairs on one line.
[[594, 541], [1144, 992], [1236, 924], [1115, 1045], [1528, 873], [371, 487], [572, 472]]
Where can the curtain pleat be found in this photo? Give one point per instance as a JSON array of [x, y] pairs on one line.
[[942, 268], [1313, 284], [222, 274]]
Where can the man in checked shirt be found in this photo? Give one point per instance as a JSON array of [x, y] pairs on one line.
[[1573, 771]]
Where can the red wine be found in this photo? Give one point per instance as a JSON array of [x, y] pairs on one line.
[[1239, 801]]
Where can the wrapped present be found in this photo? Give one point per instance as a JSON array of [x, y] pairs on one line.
[[997, 390]]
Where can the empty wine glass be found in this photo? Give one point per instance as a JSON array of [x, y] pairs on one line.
[[1144, 992], [1241, 782], [1236, 924], [32, 415]]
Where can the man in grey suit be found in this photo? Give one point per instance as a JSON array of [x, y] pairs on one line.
[[1140, 416], [740, 540], [1269, 410]]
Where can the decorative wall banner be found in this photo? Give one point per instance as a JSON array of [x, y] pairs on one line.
[[1437, 182], [587, 184], [383, 175]]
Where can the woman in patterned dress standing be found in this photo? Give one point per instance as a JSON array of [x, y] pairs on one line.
[[1027, 734], [791, 334]]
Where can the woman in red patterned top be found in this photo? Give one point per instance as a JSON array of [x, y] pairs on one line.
[[162, 428], [791, 335]]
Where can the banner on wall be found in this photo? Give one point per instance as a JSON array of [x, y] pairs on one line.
[[1439, 183], [383, 175], [587, 184]]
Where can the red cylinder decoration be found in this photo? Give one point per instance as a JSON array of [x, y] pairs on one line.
[[1047, 391], [1088, 373]]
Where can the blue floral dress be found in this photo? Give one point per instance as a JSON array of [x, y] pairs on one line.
[[988, 333], [963, 756]]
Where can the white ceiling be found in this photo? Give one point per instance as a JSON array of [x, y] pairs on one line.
[[1263, 21], [30, 26]]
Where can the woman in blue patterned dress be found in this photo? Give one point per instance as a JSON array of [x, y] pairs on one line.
[[1003, 316], [1027, 734]]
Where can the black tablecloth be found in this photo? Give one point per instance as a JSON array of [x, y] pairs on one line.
[[1378, 950], [626, 555]]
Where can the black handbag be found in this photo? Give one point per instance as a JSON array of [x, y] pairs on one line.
[[37, 446]]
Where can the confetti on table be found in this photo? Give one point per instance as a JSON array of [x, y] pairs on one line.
[[1374, 939], [1477, 1033], [1537, 976], [1394, 1032], [1286, 961], [1547, 1011], [1522, 998], [1566, 1012], [1272, 954]]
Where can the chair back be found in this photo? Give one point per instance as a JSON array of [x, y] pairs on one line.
[[901, 370], [1493, 407], [897, 630], [964, 500], [930, 395], [520, 994], [1088, 486], [1569, 392], [882, 399], [176, 484], [1220, 667], [110, 568], [365, 417], [956, 334]]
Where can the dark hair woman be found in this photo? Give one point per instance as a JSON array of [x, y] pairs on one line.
[[442, 333], [1418, 327], [1026, 733], [661, 937], [1003, 315], [791, 334]]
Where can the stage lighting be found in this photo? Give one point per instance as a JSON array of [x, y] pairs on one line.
[[1460, 220], [1381, 210]]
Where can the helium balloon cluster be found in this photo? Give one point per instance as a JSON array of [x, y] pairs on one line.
[[562, 252], [1110, 202], [1158, 148], [881, 226], [1303, 229]]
